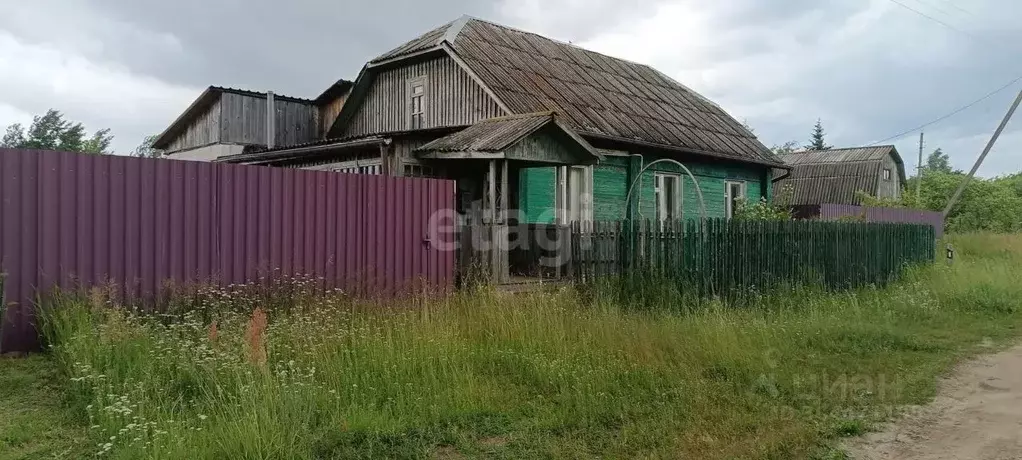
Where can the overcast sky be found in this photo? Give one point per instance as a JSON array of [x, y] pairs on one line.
[[869, 69]]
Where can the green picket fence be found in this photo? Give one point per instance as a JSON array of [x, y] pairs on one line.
[[721, 256]]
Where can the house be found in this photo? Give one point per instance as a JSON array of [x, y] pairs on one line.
[[228, 121], [534, 131], [836, 176]]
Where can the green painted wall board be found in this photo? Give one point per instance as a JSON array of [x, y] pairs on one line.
[[610, 185], [536, 195]]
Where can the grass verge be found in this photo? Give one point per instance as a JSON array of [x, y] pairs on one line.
[[34, 423], [546, 375]]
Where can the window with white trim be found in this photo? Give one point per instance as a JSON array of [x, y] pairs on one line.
[[667, 188], [734, 191], [574, 197], [417, 103], [887, 174]]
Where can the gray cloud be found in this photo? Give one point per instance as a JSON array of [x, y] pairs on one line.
[[868, 69]]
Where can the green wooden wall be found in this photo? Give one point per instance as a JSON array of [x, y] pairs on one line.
[[611, 181]]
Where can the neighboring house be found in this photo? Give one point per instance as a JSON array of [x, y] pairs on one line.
[[835, 176], [227, 121], [526, 123]]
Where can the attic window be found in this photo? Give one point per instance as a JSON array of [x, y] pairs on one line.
[[887, 174], [417, 103]]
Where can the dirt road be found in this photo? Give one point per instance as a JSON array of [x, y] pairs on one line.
[[977, 415]]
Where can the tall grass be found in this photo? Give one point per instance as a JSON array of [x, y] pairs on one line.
[[562, 374]]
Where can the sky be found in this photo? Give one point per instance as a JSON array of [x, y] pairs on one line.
[[868, 69]]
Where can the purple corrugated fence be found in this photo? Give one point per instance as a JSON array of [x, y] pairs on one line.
[[74, 220], [899, 215]]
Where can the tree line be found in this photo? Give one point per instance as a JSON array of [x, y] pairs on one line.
[[52, 131]]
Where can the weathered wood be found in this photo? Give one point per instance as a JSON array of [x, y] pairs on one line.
[[739, 258], [451, 98], [246, 122], [271, 118], [203, 130]]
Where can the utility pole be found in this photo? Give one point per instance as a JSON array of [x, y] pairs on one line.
[[958, 193], [919, 170]]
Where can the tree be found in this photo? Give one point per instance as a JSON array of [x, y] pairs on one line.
[[816, 139], [938, 161], [785, 148], [146, 150], [52, 132], [986, 204]]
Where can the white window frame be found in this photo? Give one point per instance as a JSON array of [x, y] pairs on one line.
[[729, 210], [887, 174], [417, 118], [661, 199], [563, 189]]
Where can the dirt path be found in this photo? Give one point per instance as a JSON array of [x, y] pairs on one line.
[[977, 415]]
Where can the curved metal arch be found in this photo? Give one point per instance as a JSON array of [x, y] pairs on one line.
[[699, 191]]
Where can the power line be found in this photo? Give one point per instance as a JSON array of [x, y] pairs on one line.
[[938, 21], [935, 7], [953, 113], [955, 6]]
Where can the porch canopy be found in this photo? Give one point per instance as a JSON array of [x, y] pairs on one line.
[[538, 138]]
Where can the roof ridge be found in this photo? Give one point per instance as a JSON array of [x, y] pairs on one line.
[[454, 29], [836, 149]]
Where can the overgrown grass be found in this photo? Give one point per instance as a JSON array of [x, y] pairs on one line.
[[547, 375], [34, 423]]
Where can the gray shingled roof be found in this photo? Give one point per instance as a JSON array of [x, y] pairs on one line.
[[497, 134], [491, 135], [597, 95], [872, 153], [421, 43], [833, 176]]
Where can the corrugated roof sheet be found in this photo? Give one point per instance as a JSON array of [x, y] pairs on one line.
[[420, 43], [491, 135], [876, 153], [598, 94], [828, 183]]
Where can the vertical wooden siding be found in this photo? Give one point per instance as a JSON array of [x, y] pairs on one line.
[[204, 130], [746, 258], [73, 220], [328, 113], [244, 120], [452, 98]]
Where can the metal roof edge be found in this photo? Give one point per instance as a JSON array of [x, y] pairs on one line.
[[163, 137], [455, 28], [268, 156]]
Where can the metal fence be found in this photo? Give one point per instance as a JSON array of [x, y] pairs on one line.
[[727, 256], [73, 220], [831, 211]]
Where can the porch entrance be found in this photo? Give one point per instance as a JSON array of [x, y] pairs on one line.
[[486, 160]]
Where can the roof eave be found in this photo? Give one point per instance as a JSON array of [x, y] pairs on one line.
[[163, 139], [262, 158], [674, 148]]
